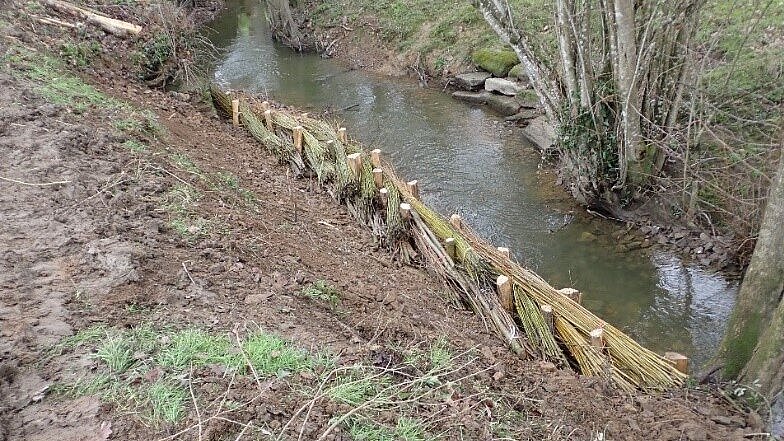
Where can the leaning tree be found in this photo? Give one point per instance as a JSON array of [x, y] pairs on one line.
[[613, 89]]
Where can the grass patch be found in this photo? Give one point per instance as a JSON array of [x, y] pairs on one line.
[[322, 291], [166, 401], [183, 162], [406, 429], [194, 347], [131, 354], [80, 54], [135, 147], [57, 85], [116, 353], [271, 355]]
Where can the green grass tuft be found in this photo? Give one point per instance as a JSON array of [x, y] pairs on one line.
[[116, 352], [322, 291], [166, 402], [193, 347], [271, 355]]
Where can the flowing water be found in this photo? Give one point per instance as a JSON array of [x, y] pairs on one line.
[[467, 161]]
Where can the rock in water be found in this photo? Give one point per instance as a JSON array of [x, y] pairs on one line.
[[503, 105], [472, 97], [471, 80], [503, 86], [540, 132]]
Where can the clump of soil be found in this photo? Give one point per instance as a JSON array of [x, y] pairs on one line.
[[135, 220]]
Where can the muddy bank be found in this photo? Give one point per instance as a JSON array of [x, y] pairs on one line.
[[134, 211]]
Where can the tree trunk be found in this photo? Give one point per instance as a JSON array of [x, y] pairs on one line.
[[753, 346], [631, 151]]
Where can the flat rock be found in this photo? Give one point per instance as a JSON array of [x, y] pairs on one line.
[[503, 105], [471, 80], [541, 133], [503, 86], [472, 97]]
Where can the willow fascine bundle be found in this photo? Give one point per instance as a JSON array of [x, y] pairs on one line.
[[536, 329], [622, 359]]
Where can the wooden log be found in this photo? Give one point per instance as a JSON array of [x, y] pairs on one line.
[[504, 286], [297, 132], [384, 196], [354, 161], [573, 294], [413, 188], [597, 338], [405, 211], [111, 25], [451, 249], [268, 119], [504, 251], [375, 157], [342, 137], [56, 22], [547, 313], [235, 113], [378, 177], [680, 361], [456, 221]]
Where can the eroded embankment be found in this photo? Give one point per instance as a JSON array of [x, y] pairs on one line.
[[165, 278]]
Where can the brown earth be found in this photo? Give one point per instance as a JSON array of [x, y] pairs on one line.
[[102, 248]]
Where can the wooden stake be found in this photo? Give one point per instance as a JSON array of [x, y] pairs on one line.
[[456, 221], [413, 188], [268, 119], [573, 294], [235, 113], [504, 286], [680, 361], [354, 161], [265, 105], [342, 137], [597, 338], [451, 249], [378, 177], [375, 157], [298, 138], [383, 194], [405, 211], [547, 313], [504, 251]]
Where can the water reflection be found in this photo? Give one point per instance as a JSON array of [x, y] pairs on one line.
[[465, 163]]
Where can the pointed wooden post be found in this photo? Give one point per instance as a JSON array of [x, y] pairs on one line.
[[342, 137], [375, 157], [504, 251], [504, 287], [573, 294], [597, 338], [405, 211], [268, 119], [378, 177], [450, 248], [235, 113], [384, 196], [355, 163], [298, 138], [413, 188], [680, 361], [456, 221], [547, 313]]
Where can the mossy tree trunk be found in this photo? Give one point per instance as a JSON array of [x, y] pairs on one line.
[[282, 24], [753, 346]]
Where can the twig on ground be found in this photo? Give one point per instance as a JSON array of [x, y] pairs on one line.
[[33, 184]]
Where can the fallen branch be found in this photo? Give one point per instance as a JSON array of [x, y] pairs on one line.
[[55, 22], [111, 25], [32, 184]]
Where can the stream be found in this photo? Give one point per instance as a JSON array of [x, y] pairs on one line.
[[468, 161]]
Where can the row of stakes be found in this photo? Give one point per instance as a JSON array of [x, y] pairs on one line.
[[503, 283]]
